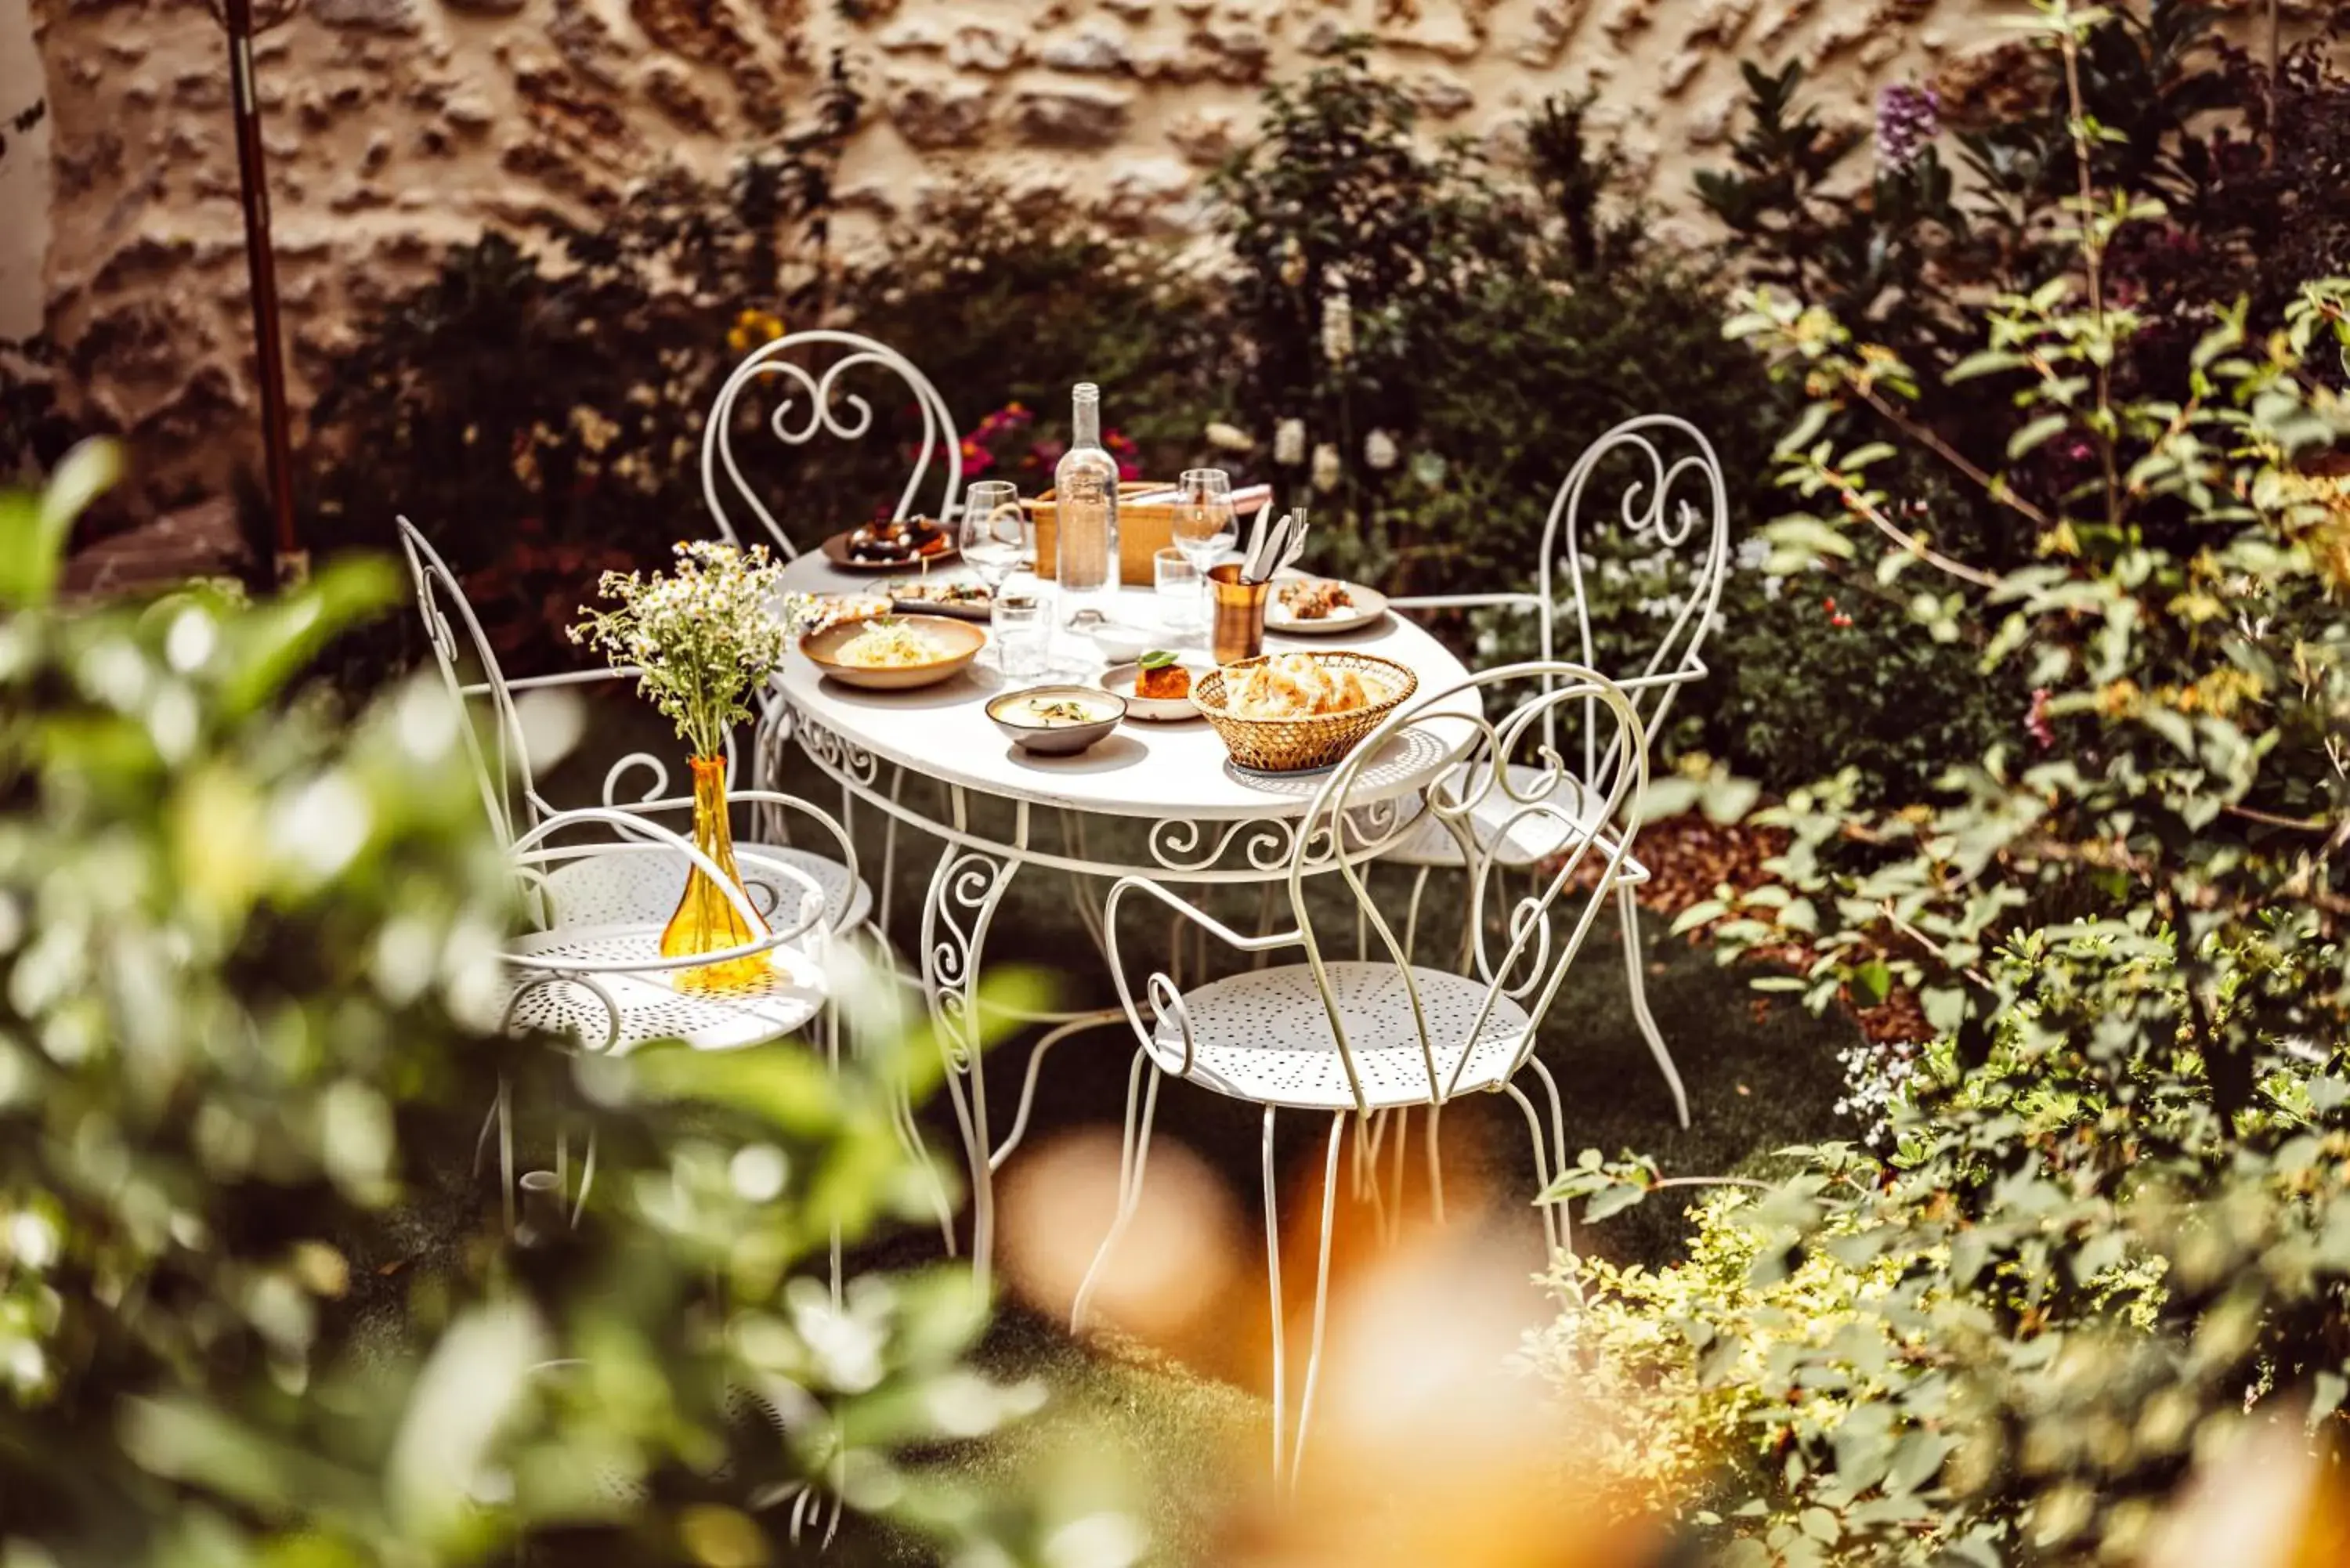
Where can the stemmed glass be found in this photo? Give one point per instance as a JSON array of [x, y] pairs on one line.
[[995, 536], [998, 540], [1204, 525]]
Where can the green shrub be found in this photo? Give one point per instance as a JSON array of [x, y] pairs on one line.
[[1003, 305], [2110, 1239], [250, 1007], [1812, 683], [542, 420]]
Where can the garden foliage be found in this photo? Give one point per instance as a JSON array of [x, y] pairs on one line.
[[2106, 1236], [250, 1009]]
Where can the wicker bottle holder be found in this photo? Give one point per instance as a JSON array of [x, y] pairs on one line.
[[1303, 744]]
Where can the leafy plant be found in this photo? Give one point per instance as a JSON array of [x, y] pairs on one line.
[[1813, 684], [1006, 308], [542, 423], [702, 638], [250, 1009], [2115, 1175], [1353, 244]]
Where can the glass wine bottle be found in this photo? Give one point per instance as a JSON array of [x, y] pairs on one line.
[[1085, 508]]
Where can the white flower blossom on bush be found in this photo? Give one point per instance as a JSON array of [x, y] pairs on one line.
[[1338, 325], [1379, 451], [1289, 442], [1228, 438], [1326, 467]]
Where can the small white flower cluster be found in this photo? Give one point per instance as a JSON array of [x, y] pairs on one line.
[[1752, 554], [1874, 1074], [1337, 324], [703, 636], [1289, 442], [1327, 467]]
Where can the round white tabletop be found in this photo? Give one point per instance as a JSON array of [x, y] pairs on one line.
[[1141, 769]]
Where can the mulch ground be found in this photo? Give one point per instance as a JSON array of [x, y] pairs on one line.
[[1691, 859]]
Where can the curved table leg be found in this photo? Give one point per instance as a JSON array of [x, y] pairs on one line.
[[965, 889], [1087, 902]]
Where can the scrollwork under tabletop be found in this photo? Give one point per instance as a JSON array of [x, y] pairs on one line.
[[1221, 850]]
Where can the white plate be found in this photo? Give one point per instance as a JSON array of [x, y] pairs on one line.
[[1119, 681], [1368, 606]]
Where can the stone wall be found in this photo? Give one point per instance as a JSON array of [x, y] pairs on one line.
[[396, 127], [24, 175]]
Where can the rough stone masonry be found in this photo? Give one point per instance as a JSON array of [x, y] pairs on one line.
[[398, 127]]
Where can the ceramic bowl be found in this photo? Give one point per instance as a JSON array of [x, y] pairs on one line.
[[1011, 714], [1119, 642], [1119, 681], [958, 642]]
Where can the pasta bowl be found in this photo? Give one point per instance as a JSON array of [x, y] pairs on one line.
[[1302, 743], [916, 650]]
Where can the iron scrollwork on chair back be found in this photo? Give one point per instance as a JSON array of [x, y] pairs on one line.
[[812, 403], [1679, 501], [1577, 813]]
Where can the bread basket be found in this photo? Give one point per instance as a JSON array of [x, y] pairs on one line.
[[1303, 744]]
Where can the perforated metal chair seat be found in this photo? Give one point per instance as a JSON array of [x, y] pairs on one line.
[[649, 1005], [1503, 829], [1264, 1036], [637, 887]]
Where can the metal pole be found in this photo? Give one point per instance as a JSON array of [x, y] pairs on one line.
[[293, 562]]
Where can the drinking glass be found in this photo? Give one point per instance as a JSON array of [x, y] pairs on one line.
[[1024, 634], [1204, 525], [995, 534], [1180, 594]]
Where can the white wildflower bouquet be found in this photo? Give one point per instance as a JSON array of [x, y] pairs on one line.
[[700, 637]]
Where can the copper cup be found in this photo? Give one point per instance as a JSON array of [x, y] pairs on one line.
[[1238, 632]]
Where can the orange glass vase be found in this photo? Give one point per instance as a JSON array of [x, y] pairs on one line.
[[707, 921]]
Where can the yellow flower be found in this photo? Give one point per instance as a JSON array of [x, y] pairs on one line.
[[752, 327], [594, 429]]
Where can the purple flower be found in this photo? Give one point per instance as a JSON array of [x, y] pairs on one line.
[[1908, 118]]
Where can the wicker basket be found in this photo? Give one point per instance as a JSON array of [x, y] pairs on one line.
[[1302, 745], [1142, 532]]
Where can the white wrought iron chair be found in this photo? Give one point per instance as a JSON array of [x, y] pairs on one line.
[[592, 970], [1355, 1039], [508, 779], [1649, 509], [815, 402]]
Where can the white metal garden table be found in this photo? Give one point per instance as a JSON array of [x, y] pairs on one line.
[[1204, 821]]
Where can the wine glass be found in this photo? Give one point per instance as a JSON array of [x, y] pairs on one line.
[[1204, 525], [995, 536]]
